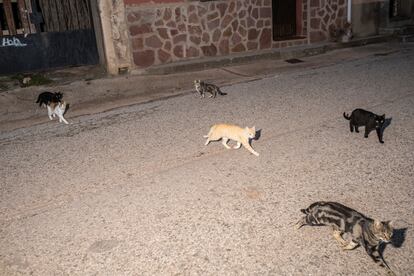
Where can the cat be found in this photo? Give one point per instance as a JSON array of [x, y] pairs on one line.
[[57, 109], [203, 87], [47, 97], [371, 121], [342, 35], [225, 132], [363, 230]]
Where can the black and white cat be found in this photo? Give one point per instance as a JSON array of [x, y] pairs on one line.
[[371, 121], [47, 97], [202, 88], [57, 109]]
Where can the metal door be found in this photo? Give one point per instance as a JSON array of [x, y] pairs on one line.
[[284, 19], [44, 34]]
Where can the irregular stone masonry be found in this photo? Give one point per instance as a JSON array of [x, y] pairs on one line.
[[325, 16], [167, 33]]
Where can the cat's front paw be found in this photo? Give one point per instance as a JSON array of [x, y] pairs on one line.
[[382, 142]]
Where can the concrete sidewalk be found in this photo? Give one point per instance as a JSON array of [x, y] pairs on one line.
[[18, 108]]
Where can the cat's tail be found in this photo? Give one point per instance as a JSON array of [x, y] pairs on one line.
[[347, 117], [38, 101]]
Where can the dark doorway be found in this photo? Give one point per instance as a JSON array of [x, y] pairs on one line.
[[45, 34], [284, 19]]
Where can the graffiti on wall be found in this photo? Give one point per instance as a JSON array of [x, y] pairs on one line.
[[11, 42]]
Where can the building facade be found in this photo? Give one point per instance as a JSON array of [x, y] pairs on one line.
[[126, 35], [166, 31]]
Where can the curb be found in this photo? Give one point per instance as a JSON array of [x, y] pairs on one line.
[[276, 54]]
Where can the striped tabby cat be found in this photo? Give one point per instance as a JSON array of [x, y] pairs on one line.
[[364, 231], [203, 88]]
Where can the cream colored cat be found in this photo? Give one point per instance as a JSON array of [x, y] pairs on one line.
[[232, 132]]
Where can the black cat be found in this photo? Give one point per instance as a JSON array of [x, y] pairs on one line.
[[48, 97], [371, 121]]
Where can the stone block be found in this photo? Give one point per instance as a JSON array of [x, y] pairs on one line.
[[205, 38], [140, 29], [216, 35], [179, 51], [265, 40], [265, 13], [144, 58], [222, 7], [193, 52], [213, 24], [226, 21], [238, 48], [180, 38], [236, 38], [163, 56], [163, 33], [195, 39], [137, 43], [210, 50], [224, 47], [252, 34], [153, 42]]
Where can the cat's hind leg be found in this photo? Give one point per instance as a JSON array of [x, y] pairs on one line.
[[351, 126], [350, 246], [63, 119], [237, 146], [224, 142], [338, 236]]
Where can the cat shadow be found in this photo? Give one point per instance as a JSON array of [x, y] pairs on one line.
[[257, 135], [66, 109], [398, 238], [387, 123]]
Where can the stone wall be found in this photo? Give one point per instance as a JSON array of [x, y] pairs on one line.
[[164, 31], [193, 29], [326, 15]]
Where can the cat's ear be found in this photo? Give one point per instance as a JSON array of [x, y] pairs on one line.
[[390, 223], [254, 129], [377, 224], [383, 116]]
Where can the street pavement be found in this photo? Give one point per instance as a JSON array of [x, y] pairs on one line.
[[134, 191]]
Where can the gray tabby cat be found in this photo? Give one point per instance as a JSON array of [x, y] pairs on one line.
[[342, 35], [203, 87], [364, 231]]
